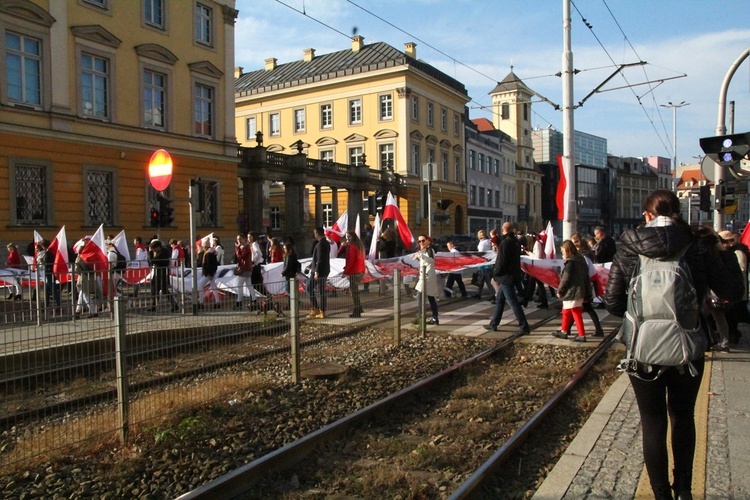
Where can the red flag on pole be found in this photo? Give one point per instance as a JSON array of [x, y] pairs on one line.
[[745, 238], [391, 211], [94, 253], [59, 248], [562, 187], [340, 227]]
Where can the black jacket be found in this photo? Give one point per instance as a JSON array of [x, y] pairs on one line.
[[703, 259], [508, 261], [321, 258], [210, 264], [291, 266], [574, 282], [605, 250]]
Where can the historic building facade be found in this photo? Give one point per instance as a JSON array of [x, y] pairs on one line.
[[89, 89], [371, 104]]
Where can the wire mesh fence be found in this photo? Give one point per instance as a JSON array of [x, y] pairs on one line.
[[91, 358]]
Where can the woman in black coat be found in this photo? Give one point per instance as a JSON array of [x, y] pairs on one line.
[[674, 392]]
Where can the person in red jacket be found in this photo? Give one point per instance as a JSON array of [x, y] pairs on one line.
[[354, 253], [14, 261]]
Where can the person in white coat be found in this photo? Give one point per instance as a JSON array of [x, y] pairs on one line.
[[427, 283]]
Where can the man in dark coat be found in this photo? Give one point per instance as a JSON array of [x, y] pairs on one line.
[[320, 268], [605, 248], [506, 272]]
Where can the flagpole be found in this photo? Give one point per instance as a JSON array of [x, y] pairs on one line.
[[569, 210]]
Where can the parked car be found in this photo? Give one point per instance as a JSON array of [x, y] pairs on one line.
[[463, 242]]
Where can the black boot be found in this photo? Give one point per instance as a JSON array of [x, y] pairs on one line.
[[662, 493], [682, 486]]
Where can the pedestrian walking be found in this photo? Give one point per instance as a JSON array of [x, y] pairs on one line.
[[243, 269], [290, 269], [319, 268], [427, 283], [668, 393], [354, 268], [159, 259], [209, 266], [574, 288], [454, 278], [14, 262], [507, 271]]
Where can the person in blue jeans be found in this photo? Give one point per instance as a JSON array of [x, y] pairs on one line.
[[506, 271]]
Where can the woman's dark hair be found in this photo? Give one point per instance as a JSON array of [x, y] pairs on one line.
[[663, 202], [289, 247], [569, 246], [355, 240]]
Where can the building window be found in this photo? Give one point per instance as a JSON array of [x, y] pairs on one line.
[[443, 119], [251, 126], [415, 108], [209, 217], [355, 112], [415, 159], [275, 124], [101, 4], [95, 85], [326, 116], [444, 164], [203, 24], [386, 156], [472, 160], [458, 178], [526, 111], [386, 107], [327, 155], [327, 215], [456, 124], [203, 110], [31, 194], [299, 120], [23, 68], [472, 195], [431, 156], [481, 197], [480, 161], [497, 198], [505, 111], [276, 218], [153, 13], [355, 156], [154, 99], [430, 114], [99, 199], [497, 167]]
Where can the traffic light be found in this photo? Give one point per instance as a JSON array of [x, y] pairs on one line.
[[705, 198], [727, 150], [166, 212], [154, 217], [381, 200], [372, 202], [719, 197], [444, 204]]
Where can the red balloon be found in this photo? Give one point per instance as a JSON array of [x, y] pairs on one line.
[[160, 170]]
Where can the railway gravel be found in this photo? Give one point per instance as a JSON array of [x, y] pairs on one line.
[[201, 444]]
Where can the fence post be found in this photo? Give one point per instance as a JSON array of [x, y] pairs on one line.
[[38, 298], [123, 399], [397, 307], [423, 300], [294, 328], [182, 286]]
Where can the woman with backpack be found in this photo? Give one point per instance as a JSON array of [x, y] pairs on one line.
[[664, 392]]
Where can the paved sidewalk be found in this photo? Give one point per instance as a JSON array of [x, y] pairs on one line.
[[606, 458]]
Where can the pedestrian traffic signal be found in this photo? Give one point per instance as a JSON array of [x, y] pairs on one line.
[[727, 150], [154, 217], [705, 198], [166, 212], [381, 199]]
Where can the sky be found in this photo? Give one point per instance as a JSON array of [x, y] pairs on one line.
[[689, 45]]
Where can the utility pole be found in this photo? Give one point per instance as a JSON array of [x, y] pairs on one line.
[[570, 215]]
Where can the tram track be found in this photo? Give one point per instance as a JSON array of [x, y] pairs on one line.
[[274, 469]]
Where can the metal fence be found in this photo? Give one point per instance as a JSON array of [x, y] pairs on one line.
[[82, 368]]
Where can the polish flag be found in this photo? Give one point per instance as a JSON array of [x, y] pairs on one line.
[[391, 211], [373, 253], [549, 244], [121, 244], [59, 248], [339, 228], [94, 253], [356, 228], [37, 238], [563, 193], [209, 238]]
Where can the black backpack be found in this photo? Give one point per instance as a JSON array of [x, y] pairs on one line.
[[122, 263]]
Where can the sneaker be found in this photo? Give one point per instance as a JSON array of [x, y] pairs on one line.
[[320, 315], [433, 321], [560, 334], [599, 333], [490, 328], [578, 338], [720, 348], [523, 331]]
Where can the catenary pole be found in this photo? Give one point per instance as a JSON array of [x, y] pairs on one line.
[[569, 202]]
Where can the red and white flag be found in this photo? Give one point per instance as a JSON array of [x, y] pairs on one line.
[[37, 238], [373, 250], [356, 228], [59, 249], [209, 238], [339, 228], [94, 253], [549, 244], [562, 198], [391, 211], [121, 244]]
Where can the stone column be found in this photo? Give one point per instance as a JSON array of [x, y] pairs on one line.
[[294, 201], [318, 207], [354, 207], [252, 203], [335, 202]]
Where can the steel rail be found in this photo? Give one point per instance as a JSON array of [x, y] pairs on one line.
[[486, 471], [240, 480]]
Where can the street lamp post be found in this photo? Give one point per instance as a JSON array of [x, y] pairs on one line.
[[674, 137]]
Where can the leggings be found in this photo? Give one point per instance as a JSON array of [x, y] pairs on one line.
[[570, 315], [673, 394]]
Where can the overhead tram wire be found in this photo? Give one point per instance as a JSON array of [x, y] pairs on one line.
[[645, 73], [629, 85]]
